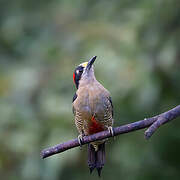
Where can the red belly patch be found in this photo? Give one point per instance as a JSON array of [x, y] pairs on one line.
[[95, 127]]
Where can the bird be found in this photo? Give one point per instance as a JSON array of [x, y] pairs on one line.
[[93, 111]]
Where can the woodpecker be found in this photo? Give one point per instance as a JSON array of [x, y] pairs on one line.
[[93, 110]]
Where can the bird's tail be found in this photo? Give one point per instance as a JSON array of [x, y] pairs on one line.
[[96, 159]]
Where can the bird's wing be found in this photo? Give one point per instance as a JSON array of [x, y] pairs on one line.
[[74, 98], [104, 112], [112, 108]]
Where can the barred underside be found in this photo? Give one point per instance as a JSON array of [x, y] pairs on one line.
[[83, 124], [79, 122]]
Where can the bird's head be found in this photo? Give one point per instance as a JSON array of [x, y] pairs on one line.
[[84, 70]]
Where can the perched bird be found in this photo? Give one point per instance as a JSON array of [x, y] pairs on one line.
[[93, 110]]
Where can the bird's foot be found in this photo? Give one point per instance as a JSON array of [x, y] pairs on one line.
[[110, 129], [80, 140]]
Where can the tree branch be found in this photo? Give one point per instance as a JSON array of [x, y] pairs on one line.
[[153, 123]]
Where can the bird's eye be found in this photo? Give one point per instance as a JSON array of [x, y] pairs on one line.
[[81, 70]]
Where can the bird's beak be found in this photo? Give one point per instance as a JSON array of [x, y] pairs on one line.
[[90, 63]]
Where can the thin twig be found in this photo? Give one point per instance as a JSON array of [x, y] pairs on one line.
[[162, 119], [154, 123]]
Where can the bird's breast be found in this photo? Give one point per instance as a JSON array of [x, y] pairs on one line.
[[90, 101]]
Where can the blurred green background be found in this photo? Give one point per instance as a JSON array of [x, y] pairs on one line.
[[138, 49]]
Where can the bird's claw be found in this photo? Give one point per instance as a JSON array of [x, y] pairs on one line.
[[110, 129], [80, 140]]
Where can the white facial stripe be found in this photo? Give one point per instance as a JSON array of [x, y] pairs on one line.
[[77, 71]]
